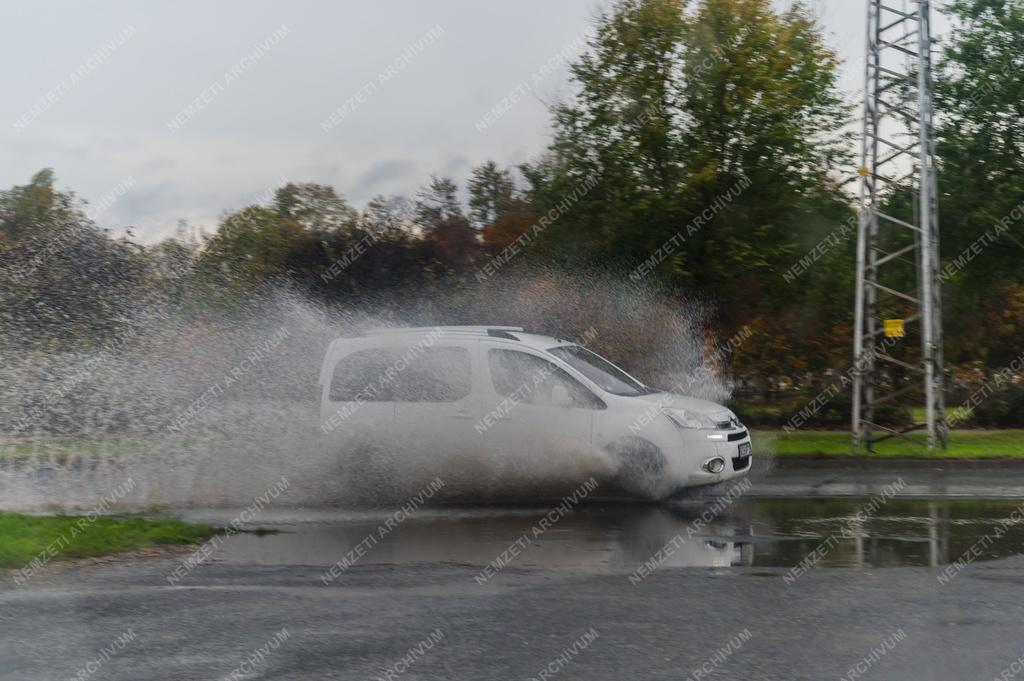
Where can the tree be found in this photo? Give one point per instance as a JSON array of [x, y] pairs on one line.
[[712, 138], [63, 280], [492, 193], [36, 208], [763, 103], [980, 90], [438, 203], [315, 207], [384, 215], [620, 136], [497, 207], [257, 243], [451, 241]]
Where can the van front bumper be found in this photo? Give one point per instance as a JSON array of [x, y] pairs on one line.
[[737, 454]]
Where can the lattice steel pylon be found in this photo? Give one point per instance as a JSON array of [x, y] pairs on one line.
[[898, 231]]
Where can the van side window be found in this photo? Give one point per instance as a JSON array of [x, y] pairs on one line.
[[531, 379], [363, 376], [402, 375], [436, 374]]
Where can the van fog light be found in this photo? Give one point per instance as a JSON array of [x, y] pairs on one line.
[[716, 436], [715, 464]]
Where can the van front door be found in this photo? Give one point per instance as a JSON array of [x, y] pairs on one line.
[[538, 419]]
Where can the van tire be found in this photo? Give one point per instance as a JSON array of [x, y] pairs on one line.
[[640, 465]]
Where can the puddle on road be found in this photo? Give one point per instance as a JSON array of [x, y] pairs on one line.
[[754, 532]]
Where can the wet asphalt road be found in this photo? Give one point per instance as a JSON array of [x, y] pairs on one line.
[[729, 602], [513, 627]]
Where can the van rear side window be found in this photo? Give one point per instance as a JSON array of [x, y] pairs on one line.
[[438, 374], [434, 375]]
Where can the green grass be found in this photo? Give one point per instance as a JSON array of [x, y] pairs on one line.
[[953, 414], [24, 538], [963, 444], [68, 446], [105, 446]]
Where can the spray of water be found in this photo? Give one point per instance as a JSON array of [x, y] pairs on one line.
[[214, 408]]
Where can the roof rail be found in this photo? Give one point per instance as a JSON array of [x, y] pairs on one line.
[[483, 330]]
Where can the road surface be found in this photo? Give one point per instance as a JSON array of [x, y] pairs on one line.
[[793, 580]]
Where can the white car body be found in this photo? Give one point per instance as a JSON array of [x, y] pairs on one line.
[[493, 391]]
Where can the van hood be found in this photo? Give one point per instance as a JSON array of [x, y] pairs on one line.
[[668, 399]]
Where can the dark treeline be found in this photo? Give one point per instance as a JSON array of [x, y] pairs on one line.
[[705, 151]]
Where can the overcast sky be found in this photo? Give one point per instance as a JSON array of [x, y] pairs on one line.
[[188, 109]]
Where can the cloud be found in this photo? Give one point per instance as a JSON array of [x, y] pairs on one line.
[[384, 177]]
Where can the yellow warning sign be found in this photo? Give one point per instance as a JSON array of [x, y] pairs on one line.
[[894, 328]]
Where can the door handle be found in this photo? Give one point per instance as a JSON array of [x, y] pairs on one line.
[[463, 414]]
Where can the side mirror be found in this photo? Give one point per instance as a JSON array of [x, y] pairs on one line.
[[560, 396]]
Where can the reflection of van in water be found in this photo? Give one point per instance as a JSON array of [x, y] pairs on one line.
[[467, 390]]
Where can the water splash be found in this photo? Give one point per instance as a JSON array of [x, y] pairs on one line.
[[211, 408]]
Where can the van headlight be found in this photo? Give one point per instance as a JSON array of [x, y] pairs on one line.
[[685, 418]]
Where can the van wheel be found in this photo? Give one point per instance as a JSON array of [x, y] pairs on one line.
[[641, 465]]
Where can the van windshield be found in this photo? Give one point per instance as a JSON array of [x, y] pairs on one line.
[[599, 370]]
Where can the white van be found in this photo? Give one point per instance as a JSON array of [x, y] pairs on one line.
[[484, 390]]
